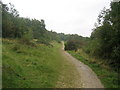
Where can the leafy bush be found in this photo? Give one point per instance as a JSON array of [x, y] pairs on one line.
[[71, 45]]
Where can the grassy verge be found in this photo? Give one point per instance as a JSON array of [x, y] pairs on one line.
[[30, 67], [108, 77]]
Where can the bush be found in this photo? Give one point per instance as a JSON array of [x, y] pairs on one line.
[[71, 45]]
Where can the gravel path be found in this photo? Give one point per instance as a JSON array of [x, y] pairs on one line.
[[83, 76]]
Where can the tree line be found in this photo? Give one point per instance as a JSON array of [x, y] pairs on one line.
[[14, 26]]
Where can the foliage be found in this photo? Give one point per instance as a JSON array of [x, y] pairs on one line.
[[105, 41], [74, 42], [71, 45], [25, 28]]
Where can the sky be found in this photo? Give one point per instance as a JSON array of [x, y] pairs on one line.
[[63, 16]]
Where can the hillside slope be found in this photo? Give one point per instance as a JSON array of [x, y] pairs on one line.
[[28, 66]]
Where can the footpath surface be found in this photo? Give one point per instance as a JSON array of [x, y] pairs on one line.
[[76, 74]]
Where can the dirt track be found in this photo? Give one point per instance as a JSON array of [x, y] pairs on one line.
[[79, 76]]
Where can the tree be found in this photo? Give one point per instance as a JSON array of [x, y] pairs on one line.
[[105, 41]]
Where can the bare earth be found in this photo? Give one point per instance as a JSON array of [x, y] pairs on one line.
[[75, 74]]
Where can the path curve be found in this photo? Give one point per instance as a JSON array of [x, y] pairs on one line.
[[87, 77]]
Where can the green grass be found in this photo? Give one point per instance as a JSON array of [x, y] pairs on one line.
[[108, 77], [30, 67]]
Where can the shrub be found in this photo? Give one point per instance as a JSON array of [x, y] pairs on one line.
[[71, 45]]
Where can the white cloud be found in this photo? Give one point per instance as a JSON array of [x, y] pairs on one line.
[[67, 16]]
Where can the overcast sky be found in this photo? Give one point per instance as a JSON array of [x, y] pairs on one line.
[[66, 16]]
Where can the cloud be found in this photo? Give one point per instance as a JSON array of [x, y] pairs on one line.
[[67, 16]]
